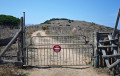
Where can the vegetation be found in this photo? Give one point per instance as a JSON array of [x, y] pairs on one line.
[[44, 27], [11, 70], [53, 19], [67, 25], [60, 25], [70, 21], [7, 20]]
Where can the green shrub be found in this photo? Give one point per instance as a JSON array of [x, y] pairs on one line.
[[53, 19], [9, 20], [47, 22], [70, 21]]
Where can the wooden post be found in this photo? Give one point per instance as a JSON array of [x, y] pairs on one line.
[[96, 50], [101, 59], [19, 53], [21, 39], [117, 21], [19, 50]]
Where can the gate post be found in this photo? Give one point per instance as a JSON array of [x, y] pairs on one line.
[[95, 58], [24, 42], [19, 52], [23, 49]]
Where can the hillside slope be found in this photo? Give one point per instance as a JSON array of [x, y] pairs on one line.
[[57, 26], [81, 24]]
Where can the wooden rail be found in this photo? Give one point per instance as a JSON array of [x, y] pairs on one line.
[[10, 43]]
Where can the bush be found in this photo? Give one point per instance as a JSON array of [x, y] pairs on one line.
[[44, 27], [9, 20], [67, 25], [47, 22], [70, 21], [53, 19], [60, 25]]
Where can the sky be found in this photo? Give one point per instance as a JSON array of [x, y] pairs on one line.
[[103, 12]]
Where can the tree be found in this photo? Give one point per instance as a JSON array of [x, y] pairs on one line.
[[9, 20]]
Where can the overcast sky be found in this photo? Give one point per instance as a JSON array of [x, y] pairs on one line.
[[102, 12]]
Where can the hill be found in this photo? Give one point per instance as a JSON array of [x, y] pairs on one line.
[[63, 26], [82, 24]]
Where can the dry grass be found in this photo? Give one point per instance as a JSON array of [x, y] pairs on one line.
[[85, 28], [10, 70], [47, 32]]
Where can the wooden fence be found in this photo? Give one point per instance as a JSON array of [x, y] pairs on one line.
[[18, 41], [106, 47]]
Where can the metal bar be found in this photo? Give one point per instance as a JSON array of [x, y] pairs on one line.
[[31, 56], [34, 56], [62, 65], [73, 55], [50, 56], [47, 53], [66, 55], [57, 53], [57, 44], [39, 54], [57, 36], [40, 57], [69, 49], [79, 56], [37, 57], [57, 58], [44, 56], [63, 55], [76, 55], [60, 58], [82, 54], [60, 52], [52, 48], [53, 59], [24, 39]]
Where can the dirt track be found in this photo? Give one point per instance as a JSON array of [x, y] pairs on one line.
[[63, 71]]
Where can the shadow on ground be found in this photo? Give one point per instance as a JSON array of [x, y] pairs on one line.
[[48, 67]]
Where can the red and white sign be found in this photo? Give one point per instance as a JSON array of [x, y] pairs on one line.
[[57, 48]]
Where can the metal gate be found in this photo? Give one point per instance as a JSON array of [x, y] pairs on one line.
[[74, 51]]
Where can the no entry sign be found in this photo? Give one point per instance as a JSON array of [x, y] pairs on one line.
[[57, 48]]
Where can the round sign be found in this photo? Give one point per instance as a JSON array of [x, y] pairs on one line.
[[57, 48]]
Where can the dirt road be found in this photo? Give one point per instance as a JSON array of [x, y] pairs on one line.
[[62, 71]]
